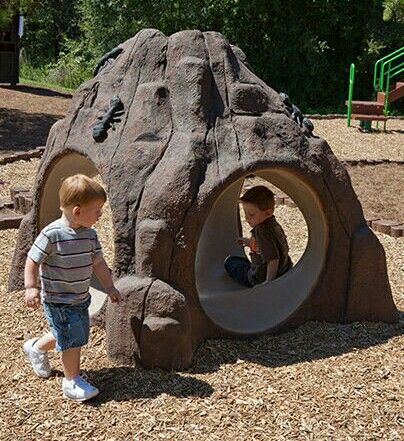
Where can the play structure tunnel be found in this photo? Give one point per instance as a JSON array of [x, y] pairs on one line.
[[68, 165], [49, 210], [259, 309], [230, 306], [188, 116]]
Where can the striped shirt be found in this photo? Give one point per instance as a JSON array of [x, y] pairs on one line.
[[66, 257]]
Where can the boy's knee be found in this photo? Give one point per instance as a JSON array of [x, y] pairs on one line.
[[227, 263]]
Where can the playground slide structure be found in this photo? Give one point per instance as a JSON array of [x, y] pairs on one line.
[[388, 88]]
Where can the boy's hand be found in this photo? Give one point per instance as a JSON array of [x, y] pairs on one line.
[[245, 241], [263, 283], [32, 298], [114, 295]]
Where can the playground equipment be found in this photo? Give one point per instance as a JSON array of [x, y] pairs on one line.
[[193, 122], [386, 70], [10, 34]]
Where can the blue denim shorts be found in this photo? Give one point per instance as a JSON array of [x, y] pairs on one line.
[[69, 324], [237, 268]]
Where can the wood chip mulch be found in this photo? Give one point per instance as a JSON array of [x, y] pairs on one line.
[[322, 381]]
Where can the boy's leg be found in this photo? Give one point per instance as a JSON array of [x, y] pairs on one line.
[[74, 386], [237, 268], [37, 356], [70, 326], [71, 362], [46, 343], [77, 326], [36, 348]]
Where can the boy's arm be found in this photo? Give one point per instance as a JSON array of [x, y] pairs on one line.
[[269, 252], [103, 274], [32, 293], [244, 241], [272, 270]]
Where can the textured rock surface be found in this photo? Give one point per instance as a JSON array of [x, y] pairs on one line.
[[151, 325], [196, 120], [368, 296]]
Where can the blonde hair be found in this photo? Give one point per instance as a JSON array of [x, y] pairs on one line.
[[80, 189], [260, 196]]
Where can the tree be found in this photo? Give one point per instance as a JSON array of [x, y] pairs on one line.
[[303, 48], [9, 8], [47, 26], [393, 10]]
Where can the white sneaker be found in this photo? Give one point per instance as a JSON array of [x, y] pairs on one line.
[[78, 389], [39, 360]]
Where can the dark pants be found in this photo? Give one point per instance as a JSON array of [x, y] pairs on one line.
[[237, 268]]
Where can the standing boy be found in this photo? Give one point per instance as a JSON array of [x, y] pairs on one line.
[[66, 253], [268, 244]]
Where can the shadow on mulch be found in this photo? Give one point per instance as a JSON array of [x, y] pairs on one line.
[[312, 341], [381, 131], [128, 383], [37, 91], [24, 131]]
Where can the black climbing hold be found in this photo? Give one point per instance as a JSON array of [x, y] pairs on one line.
[[109, 119]]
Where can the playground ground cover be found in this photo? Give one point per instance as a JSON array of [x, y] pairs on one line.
[[321, 381]]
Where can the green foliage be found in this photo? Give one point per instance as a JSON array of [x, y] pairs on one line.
[[303, 48], [71, 69], [393, 10], [12, 7], [47, 26], [38, 74]]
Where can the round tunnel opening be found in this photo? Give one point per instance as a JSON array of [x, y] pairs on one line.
[[255, 310], [68, 165]]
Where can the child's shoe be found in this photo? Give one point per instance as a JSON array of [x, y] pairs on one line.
[[39, 360], [78, 389]]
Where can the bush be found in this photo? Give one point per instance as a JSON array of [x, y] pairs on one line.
[[72, 69]]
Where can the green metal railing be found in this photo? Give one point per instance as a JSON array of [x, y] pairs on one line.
[[385, 69], [388, 67], [380, 71], [350, 92]]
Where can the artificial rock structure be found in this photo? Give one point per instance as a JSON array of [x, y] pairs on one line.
[[173, 125]]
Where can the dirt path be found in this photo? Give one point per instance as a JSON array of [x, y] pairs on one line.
[[380, 190], [26, 116]]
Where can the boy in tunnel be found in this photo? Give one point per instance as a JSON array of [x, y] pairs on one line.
[[269, 249]]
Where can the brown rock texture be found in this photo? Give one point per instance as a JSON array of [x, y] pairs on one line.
[[196, 122]]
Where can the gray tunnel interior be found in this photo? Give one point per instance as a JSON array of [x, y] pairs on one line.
[[66, 166], [254, 310]]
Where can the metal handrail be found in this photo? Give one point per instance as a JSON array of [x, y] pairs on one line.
[[396, 70], [378, 64], [385, 69], [388, 72], [350, 92]]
